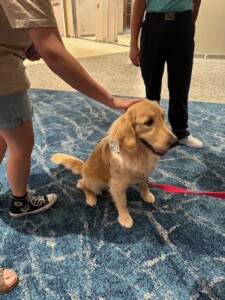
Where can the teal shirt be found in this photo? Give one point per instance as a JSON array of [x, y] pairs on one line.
[[168, 5]]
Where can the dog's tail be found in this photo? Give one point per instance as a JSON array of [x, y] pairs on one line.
[[68, 161]]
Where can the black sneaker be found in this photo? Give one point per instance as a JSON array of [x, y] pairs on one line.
[[31, 204]]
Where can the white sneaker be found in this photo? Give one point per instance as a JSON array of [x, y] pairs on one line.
[[191, 142]]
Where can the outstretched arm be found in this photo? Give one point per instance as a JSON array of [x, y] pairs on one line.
[[51, 48]]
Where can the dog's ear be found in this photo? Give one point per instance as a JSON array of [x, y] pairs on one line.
[[122, 131]]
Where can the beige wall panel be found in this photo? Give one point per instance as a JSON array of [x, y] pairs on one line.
[[106, 21], [85, 17], [59, 15], [100, 14], [113, 7], [69, 18], [120, 16], [210, 28]]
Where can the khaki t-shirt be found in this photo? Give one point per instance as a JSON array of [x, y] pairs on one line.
[[15, 17]]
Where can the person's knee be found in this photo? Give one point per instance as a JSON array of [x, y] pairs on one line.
[[22, 151]]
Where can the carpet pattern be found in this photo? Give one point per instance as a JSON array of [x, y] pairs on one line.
[[174, 251]]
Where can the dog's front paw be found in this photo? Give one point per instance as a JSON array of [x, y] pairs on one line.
[[149, 197], [91, 201], [125, 221]]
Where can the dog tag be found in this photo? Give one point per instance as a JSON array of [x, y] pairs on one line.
[[114, 146]]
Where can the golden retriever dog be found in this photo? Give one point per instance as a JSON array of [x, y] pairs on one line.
[[126, 156]]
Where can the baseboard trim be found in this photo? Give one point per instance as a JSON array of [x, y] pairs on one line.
[[209, 56]]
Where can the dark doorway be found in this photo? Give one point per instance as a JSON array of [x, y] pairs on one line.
[[126, 15]]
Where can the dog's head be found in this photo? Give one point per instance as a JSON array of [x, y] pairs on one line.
[[143, 124]]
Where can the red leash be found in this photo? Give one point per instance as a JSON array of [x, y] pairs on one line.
[[176, 189]]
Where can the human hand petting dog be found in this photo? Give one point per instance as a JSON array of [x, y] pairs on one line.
[[123, 103]]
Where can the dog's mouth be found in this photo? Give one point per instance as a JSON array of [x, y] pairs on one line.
[[156, 151]]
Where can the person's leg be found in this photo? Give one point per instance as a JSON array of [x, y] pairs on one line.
[[16, 131], [152, 57], [179, 67], [20, 141], [8, 280], [180, 63], [3, 148]]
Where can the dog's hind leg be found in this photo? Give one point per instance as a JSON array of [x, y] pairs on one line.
[[118, 193], [91, 198], [146, 195]]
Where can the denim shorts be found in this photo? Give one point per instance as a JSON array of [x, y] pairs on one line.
[[15, 109]]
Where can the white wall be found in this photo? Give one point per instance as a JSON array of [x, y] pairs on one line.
[[210, 28]]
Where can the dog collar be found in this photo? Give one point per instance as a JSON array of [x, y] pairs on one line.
[[114, 146]]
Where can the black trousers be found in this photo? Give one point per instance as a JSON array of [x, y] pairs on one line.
[[170, 42]]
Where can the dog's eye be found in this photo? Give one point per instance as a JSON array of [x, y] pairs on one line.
[[149, 122]]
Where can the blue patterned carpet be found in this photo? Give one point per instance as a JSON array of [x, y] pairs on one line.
[[174, 251]]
